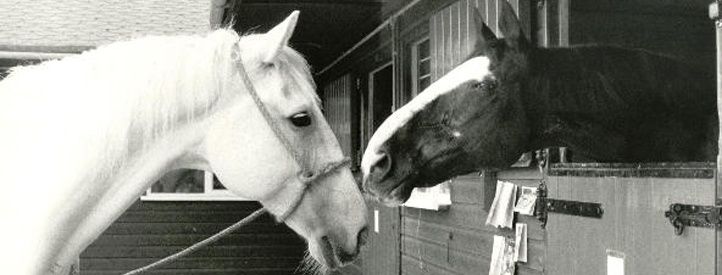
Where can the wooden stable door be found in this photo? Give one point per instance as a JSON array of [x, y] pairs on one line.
[[633, 236], [381, 256]]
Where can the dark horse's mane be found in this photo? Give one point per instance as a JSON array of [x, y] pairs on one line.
[[624, 97]]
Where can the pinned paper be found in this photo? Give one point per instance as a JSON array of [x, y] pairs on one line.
[[527, 201], [502, 254], [520, 243], [501, 212], [615, 262]]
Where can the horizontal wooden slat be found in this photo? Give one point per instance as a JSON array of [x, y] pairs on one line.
[[244, 251], [192, 263], [231, 271], [189, 239], [467, 190], [467, 216], [519, 173], [193, 228], [181, 206], [160, 216], [410, 265]]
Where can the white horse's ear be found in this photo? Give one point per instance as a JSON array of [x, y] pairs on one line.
[[278, 36]]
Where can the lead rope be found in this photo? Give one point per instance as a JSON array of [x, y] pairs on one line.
[[306, 177], [200, 244]]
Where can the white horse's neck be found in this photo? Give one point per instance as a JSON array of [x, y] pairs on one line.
[[70, 226]]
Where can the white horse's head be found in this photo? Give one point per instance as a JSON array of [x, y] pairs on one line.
[[250, 160], [131, 111]]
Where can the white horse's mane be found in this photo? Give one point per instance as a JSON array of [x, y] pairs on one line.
[[117, 98]]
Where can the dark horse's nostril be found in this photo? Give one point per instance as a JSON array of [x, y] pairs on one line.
[[382, 166]]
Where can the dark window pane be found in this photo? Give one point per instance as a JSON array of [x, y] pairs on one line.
[[423, 83], [423, 49], [217, 184], [180, 181], [424, 67]]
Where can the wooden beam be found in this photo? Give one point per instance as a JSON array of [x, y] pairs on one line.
[[312, 2], [715, 15], [368, 36]]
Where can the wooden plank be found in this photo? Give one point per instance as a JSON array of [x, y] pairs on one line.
[[491, 15], [521, 173], [467, 190], [412, 266], [243, 250], [564, 23], [382, 252], [233, 271], [464, 263], [455, 20], [196, 228], [188, 239], [181, 206], [193, 263], [189, 216], [465, 45], [715, 14]]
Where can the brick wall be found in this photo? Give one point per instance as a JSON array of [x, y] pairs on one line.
[[86, 23]]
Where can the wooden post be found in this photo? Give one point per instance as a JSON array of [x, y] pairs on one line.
[[714, 14]]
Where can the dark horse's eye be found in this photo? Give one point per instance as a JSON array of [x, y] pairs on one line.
[[301, 119], [485, 84]]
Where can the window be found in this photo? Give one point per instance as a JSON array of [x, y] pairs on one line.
[[188, 185], [421, 65]]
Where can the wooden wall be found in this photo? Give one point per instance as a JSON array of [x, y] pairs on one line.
[[634, 198], [149, 231], [337, 110], [456, 241]]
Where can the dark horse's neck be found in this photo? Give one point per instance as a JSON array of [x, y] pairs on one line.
[[615, 104]]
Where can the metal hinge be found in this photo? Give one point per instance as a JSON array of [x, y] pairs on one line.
[[575, 208], [681, 215]]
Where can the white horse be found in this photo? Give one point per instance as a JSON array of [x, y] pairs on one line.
[[82, 138]]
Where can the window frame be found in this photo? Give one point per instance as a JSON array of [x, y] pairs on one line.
[[415, 62], [209, 193]]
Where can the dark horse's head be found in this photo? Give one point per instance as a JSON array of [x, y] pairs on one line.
[[436, 135]]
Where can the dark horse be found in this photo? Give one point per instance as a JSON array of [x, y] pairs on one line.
[[607, 103]]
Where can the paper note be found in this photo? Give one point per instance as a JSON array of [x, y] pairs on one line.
[[501, 212], [615, 262], [527, 201], [376, 220], [502, 262], [520, 243]]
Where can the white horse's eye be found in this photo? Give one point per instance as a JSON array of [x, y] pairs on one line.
[[301, 119]]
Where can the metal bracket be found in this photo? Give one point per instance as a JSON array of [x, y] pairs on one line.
[[681, 215], [575, 208]]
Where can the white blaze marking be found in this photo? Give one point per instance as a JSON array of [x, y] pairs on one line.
[[474, 69]]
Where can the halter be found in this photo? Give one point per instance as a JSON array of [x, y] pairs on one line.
[[306, 176]]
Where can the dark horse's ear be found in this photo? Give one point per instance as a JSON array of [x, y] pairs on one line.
[[509, 24], [484, 36]]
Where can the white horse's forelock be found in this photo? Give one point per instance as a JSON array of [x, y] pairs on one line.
[[474, 69]]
